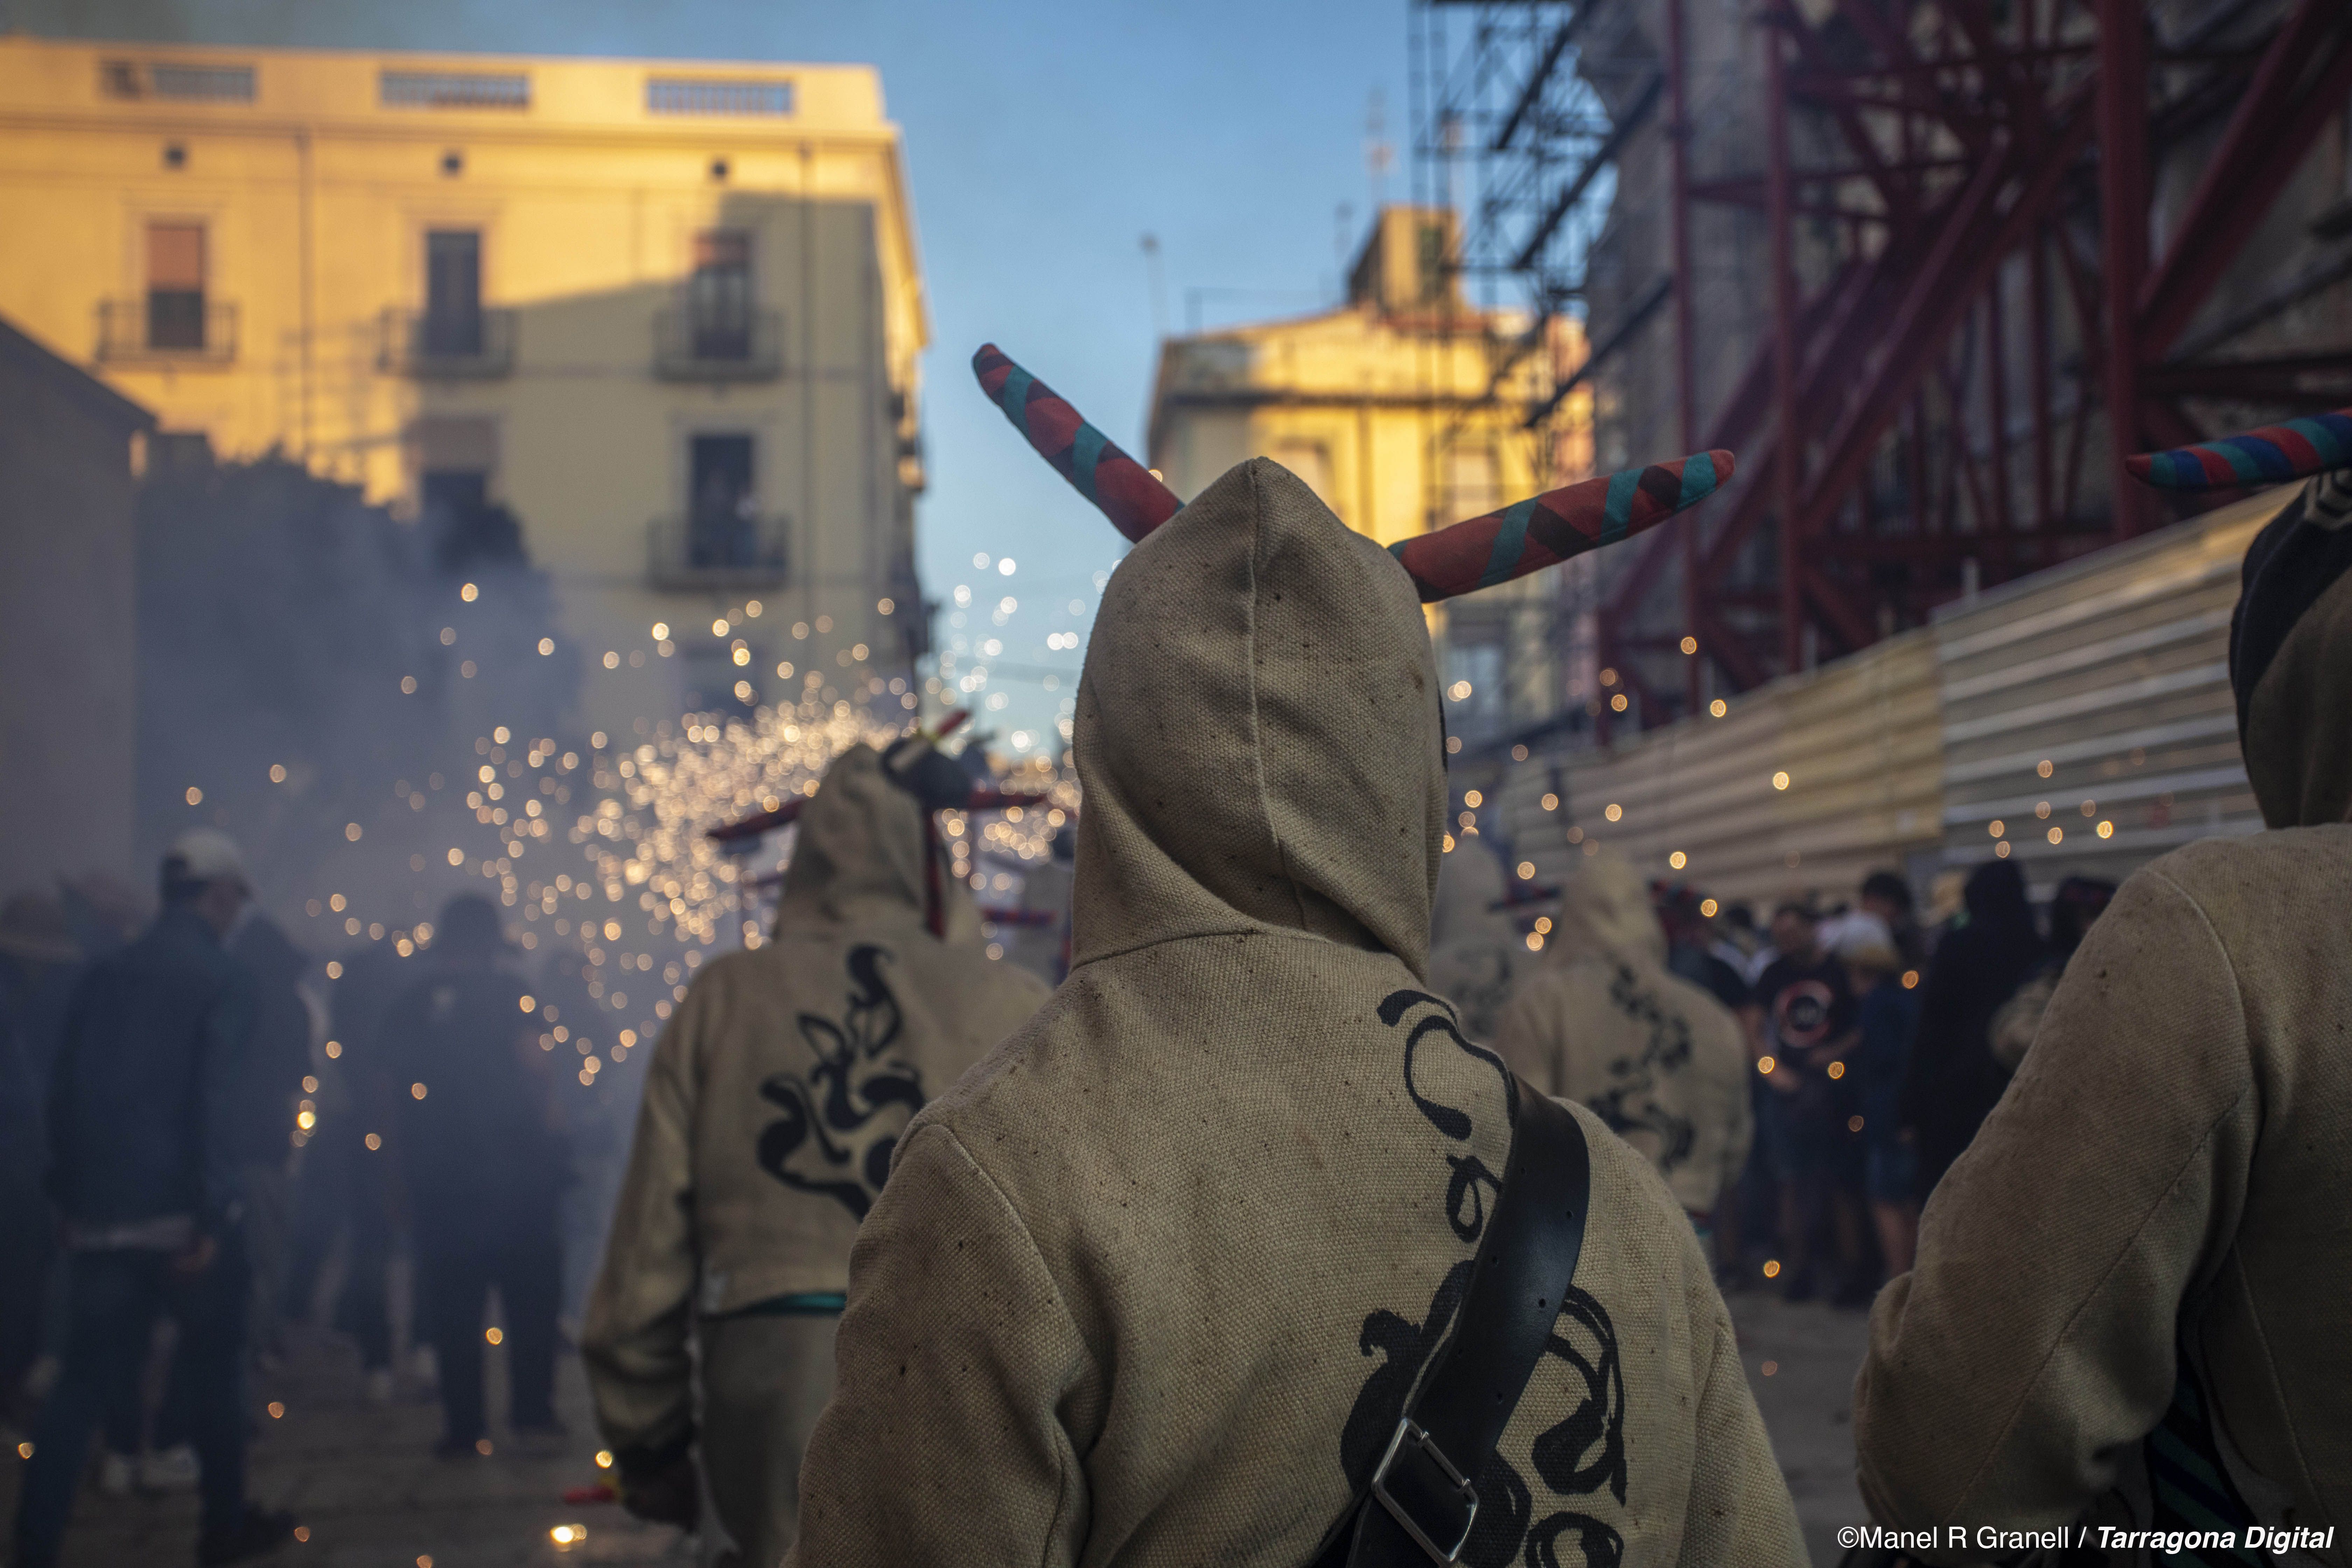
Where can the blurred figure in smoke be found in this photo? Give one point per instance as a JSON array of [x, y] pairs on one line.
[[144, 1169], [1955, 1081], [1474, 948], [347, 1186], [598, 1106], [483, 1160], [267, 1079], [774, 1100], [38, 964]]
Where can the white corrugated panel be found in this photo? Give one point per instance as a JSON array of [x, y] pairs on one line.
[[1857, 741], [2098, 693]]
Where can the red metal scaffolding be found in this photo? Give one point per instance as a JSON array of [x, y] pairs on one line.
[[1933, 172]]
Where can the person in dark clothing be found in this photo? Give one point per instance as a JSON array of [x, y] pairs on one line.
[[485, 1165], [1690, 953], [38, 964], [346, 1186], [144, 1175], [1803, 1019], [268, 1080], [1889, 1016], [1887, 896], [1954, 1081]]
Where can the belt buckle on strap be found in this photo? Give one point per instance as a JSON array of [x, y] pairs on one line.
[[1415, 1477]]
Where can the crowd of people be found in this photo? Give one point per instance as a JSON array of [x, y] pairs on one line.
[[204, 1132], [1801, 1084]]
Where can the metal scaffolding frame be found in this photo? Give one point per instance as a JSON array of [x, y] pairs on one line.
[[1931, 168]]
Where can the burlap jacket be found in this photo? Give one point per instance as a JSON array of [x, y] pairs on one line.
[[1152, 1286], [777, 1094], [2167, 1174], [1607, 1025], [1475, 954]]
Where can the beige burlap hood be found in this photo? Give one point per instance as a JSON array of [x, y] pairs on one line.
[[1475, 954], [778, 1092], [2164, 1179], [1607, 1025], [1152, 1286]]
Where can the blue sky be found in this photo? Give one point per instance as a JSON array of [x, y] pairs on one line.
[[1043, 141]]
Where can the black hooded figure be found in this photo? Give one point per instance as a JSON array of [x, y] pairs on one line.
[[1954, 1081]]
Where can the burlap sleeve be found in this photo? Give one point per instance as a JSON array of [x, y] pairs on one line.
[[634, 1340], [945, 1439], [2033, 1343]]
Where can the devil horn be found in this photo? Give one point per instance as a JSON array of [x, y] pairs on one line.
[[1544, 531], [2271, 456], [1134, 500]]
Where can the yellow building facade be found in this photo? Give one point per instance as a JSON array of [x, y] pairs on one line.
[[667, 314], [1405, 409]]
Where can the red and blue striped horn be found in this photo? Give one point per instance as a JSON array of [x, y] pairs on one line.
[[2272, 454], [1557, 525], [1135, 502]]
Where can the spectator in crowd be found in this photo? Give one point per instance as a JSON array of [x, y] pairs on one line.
[[1887, 1014], [146, 1174], [1948, 909], [1802, 1026], [1887, 898], [1606, 1022], [1691, 949], [1954, 1079], [483, 1160], [1735, 940], [39, 961]]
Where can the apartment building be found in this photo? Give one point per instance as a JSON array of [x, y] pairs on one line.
[[666, 314]]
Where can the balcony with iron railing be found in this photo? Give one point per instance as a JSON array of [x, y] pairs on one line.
[[165, 326], [459, 345], [721, 552], [698, 343]]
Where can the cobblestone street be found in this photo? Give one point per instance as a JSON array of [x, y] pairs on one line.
[[362, 1480]]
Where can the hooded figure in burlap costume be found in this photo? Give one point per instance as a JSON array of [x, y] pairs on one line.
[[1608, 1026], [1475, 954], [2133, 1299], [771, 1108], [1153, 1285]]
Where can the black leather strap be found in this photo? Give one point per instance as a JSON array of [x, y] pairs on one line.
[[1526, 1260]]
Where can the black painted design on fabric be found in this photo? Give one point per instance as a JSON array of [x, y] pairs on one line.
[[1630, 1104], [831, 1110], [1580, 1456], [1405, 1347], [1602, 1547]]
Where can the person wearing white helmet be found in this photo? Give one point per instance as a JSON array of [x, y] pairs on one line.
[[143, 1172]]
